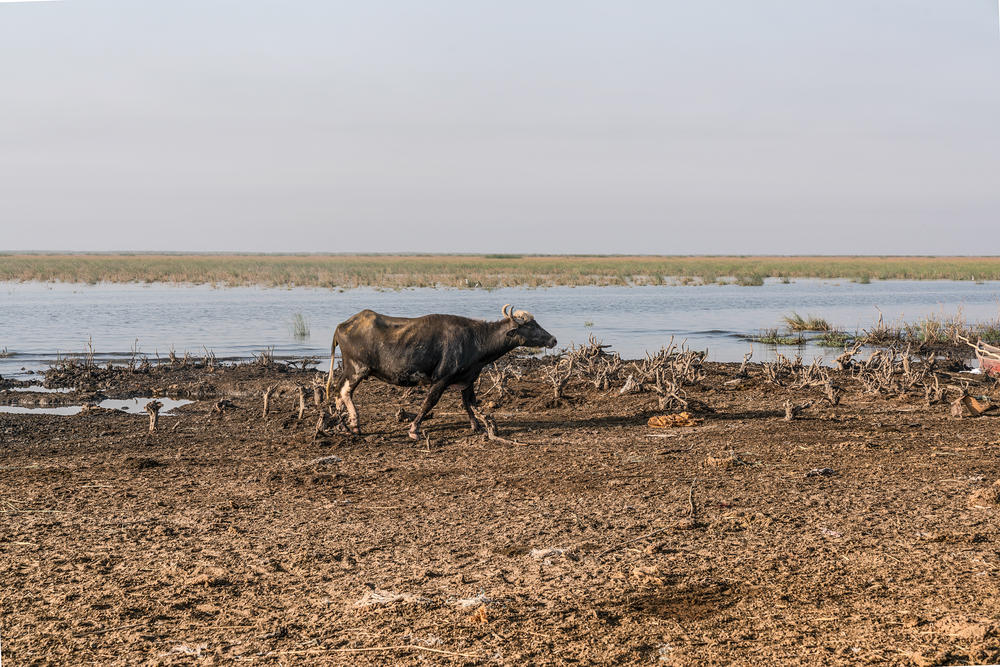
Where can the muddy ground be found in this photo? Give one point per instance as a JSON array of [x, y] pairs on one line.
[[223, 537]]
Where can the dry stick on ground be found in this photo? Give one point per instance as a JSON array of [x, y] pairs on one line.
[[742, 372], [792, 411], [376, 649], [267, 401], [691, 499], [670, 393], [111, 629], [490, 427], [153, 408], [844, 360], [691, 512], [831, 392], [558, 378], [302, 401], [933, 394]]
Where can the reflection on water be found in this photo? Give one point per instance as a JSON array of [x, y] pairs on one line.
[[39, 389], [129, 405], [137, 406], [39, 321], [66, 410]]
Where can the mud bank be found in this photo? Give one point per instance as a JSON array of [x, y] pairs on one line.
[[864, 531]]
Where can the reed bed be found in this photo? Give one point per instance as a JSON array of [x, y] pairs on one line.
[[934, 330], [796, 322], [477, 271]]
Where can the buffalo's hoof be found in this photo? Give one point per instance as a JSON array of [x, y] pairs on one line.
[[414, 435]]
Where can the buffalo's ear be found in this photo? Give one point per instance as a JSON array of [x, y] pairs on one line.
[[511, 334]]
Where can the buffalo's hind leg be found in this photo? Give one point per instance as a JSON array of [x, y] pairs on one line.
[[429, 402], [469, 400], [345, 391]]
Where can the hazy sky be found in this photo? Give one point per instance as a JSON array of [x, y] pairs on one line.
[[708, 126]]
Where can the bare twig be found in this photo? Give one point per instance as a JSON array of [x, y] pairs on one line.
[[153, 408], [267, 401]]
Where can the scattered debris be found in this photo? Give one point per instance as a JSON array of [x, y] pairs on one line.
[[210, 577], [223, 405], [280, 633], [479, 617], [792, 410], [551, 552], [671, 421], [375, 597], [987, 498], [966, 404], [406, 416], [821, 472], [477, 601], [630, 386], [729, 460], [143, 463], [322, 461], [648, 575]]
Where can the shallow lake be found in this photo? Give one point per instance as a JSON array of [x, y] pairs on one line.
[[39, 321]]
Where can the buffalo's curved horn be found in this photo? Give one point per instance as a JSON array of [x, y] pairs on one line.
[[505, 312]]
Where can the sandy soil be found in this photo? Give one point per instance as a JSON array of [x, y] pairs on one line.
[[224, 537]]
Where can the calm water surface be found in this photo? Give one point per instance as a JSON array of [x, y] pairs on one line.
[[40, 321]]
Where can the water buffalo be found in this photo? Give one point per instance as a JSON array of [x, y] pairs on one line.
[[437, 350]]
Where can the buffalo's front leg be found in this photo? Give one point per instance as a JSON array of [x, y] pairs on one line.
[[429, 402], [468, 400]]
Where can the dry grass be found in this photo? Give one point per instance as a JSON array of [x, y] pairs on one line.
[[796, 322], [477, 271]]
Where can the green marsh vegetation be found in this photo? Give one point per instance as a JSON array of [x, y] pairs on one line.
[[796, 322], [300, 328], [776, 337], [833, 339], [934, 330], [489, 271]]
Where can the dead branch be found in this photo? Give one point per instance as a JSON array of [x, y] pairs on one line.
[[558, 375], [743, 371], [267, 401], [153, 408], [490, 428], [792, 410], [845, 359]]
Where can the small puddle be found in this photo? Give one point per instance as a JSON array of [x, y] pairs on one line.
[[37, 388], [137, 406], [132, 406], [66, 410]]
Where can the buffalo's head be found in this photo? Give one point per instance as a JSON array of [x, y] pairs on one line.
[[526, 330]]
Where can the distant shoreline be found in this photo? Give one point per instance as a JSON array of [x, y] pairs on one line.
[[485, 271]]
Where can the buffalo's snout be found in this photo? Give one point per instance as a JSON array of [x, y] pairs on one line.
[[552, 342]]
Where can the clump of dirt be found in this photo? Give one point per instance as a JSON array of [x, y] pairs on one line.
[[988, 497]]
